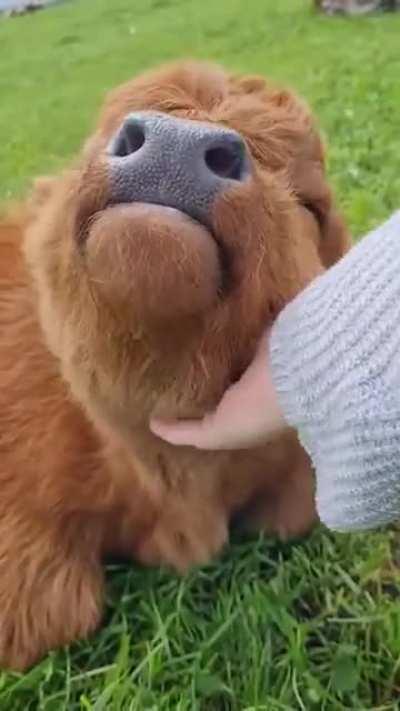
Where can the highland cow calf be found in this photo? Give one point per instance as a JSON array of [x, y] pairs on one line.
[[137, 284]]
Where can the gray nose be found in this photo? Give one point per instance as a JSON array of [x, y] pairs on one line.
[[179, 163]]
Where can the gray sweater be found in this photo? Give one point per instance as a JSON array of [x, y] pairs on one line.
[[335, 354]]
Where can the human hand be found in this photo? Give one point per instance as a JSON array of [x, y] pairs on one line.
[[248, 414]]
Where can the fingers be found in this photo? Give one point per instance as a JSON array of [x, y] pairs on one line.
[[195, 433], [244, 417]]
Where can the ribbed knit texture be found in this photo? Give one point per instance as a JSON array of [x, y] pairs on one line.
[[335, 354]]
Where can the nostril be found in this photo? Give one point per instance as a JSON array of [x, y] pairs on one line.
[[227, 161], [130, 138]]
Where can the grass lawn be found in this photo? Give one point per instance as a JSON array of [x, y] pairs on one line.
[[269, 627]]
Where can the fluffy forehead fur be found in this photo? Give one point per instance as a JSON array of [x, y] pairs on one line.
[[111, 312]]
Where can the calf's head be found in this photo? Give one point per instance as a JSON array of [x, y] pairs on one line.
[[197, 209]]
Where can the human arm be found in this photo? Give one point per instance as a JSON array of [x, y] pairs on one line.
[[330, 368]]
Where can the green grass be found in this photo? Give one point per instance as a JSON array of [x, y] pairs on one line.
[[270, 627]]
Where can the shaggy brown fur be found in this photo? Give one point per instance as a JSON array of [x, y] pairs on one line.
[[109, 314]]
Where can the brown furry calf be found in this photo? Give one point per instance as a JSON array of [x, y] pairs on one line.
[[139, 283]]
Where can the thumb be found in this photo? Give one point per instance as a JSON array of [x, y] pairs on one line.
[[195, 433]]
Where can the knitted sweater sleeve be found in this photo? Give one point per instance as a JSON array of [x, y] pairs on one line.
[[335, 353]]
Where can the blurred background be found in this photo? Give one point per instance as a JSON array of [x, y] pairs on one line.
[[270, 627], [57, 64]]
